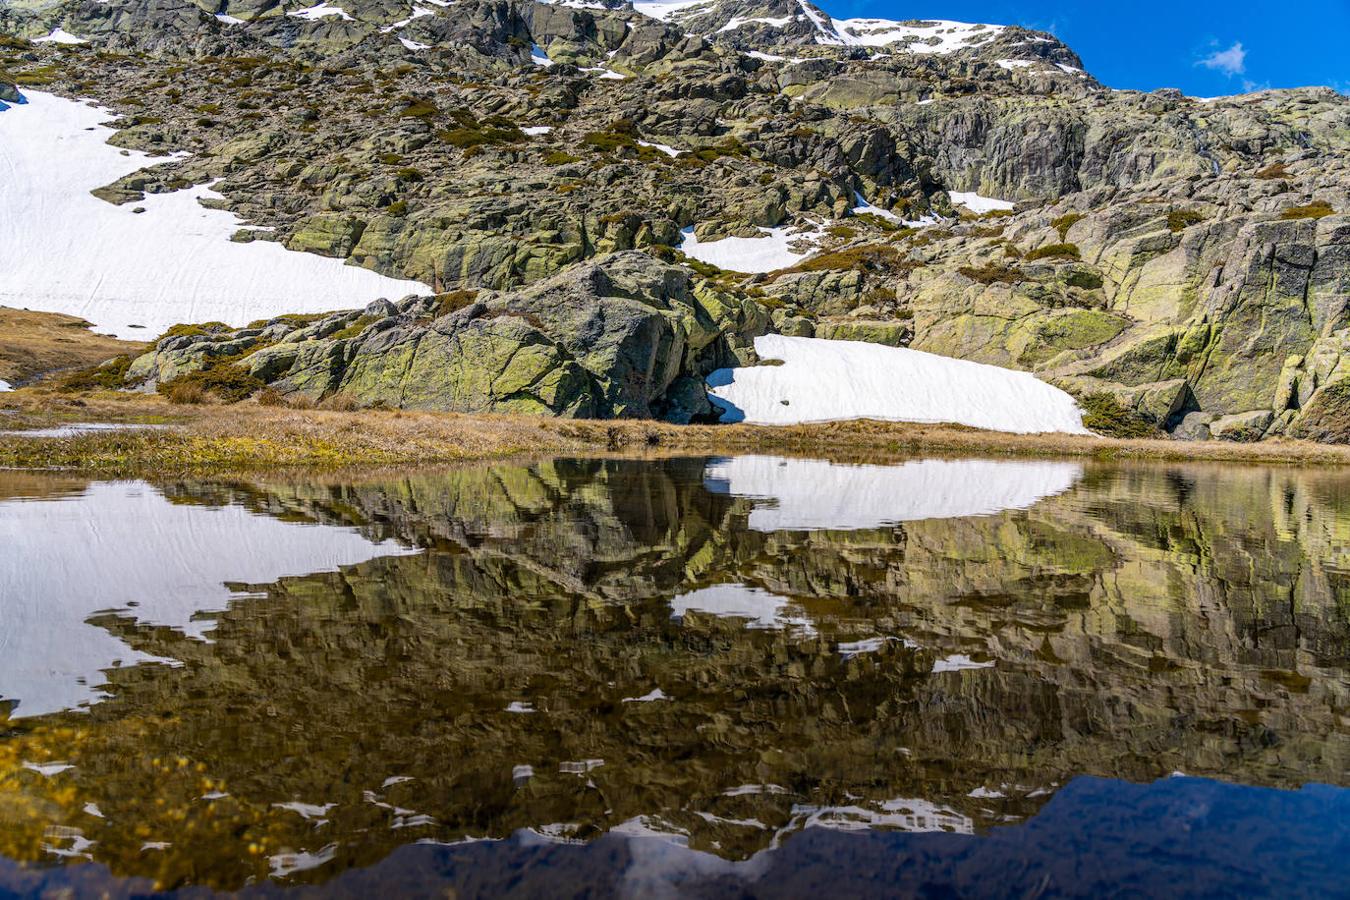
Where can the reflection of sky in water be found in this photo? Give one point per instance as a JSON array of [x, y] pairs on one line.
[[807, 493], [122, 546]]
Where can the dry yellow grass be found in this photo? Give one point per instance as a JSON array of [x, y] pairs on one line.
[[249, 436], [33, 343]]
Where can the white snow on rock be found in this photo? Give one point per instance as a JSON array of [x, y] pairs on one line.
[[809, 494], [539, 57], [1011, 64], [223, 19], [413, 45], [418, 12], [761, 609], [664, 10], [977, 204], [60, 36], [826, 381], [322, 11], [64, 250], [778, 249], [769, 57], [121, 543], [930, 36], [737, 21], [5, 386], [536, 130], [664, 148], [959, 662]]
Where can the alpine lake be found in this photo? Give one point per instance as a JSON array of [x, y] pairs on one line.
[[692, 677]]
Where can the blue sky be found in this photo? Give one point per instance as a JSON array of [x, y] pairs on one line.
[[1204, 47]]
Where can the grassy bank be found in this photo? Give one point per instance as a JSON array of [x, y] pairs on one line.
[[248, 436]]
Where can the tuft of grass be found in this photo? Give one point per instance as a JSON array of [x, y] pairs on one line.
[[1179, 220], [1054, 251], [1065, 222], [227, 382], [1273, 172], [453, 301], [109, 376], [193, 330], [992, 273], [1318, 209]]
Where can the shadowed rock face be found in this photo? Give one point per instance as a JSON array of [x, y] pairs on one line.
[[528, 668]]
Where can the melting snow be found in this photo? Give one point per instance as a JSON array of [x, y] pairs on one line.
[[539, 57], [738, 601], [5, 386], [172, 560], [536, 130], [60, 36], [664, 10], [64, 250], [751, 255], [228, 20], [977, 204], [1011, 64], [656, 694], [800, 494], [322, 11], [737, 21], [413, 45], [667, 150], [931, 36], [824, 381]]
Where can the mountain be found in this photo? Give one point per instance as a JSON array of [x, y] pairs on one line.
[[1180, 265]]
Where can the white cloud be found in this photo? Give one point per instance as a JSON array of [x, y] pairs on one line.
[[1232, 61]]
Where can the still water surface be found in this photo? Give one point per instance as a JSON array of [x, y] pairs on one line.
[[692, 677]]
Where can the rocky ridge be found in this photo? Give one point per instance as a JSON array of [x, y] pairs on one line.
[[1183, 261]]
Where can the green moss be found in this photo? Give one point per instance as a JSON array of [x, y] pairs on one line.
[[559, 158], [295, 320], [1054, 251], [453, 301], [397, 209], [1108, 417], [879, 258], [353, 329]]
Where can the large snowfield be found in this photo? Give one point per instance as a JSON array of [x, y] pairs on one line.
[[809, 494], [64, 250], [122, 543], [825, 381]]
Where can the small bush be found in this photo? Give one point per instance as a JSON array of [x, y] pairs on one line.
[[1108, 417], [1318, 209], [992, 273], [409, 175], [1065, 222], [1179, 220], [227, 382], [559, 158], [452, 301], [188, 330], [1054, 251], [109, 376], [397, 209], [1273, 172]]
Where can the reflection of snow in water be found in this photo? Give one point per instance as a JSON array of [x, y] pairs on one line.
[[739, 601], [810, 493], [124, 547]]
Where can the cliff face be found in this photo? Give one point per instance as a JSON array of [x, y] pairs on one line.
[[941, 674], [1185, 259]]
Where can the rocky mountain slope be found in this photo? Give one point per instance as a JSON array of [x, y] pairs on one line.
[[1185, 264]]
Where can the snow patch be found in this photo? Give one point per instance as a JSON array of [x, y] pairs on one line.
[[322, 11], [826, 381], [413, 45], [977, 204], [1011, 64], [808, 494], [64, 250], [667, 150], [5, 386], [940, 37], [143, 558], [536, 130], [664, 10], [539, 57], [60, 36], [656, 694], [752, 255], [737, 21], [959, 662], [223, 19]]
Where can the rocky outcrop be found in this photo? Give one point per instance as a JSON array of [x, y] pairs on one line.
[[624, 336]]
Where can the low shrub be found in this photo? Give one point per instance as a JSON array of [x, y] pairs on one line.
[[1318, 209], [109, 376], [227, 382], [1179, 220], [1108, 417], [1065, 222], [992, 273], [1054, 251]]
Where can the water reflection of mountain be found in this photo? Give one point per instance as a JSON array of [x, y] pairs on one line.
[[1149, 620]]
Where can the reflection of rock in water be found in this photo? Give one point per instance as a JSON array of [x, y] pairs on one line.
[[1133, 633]]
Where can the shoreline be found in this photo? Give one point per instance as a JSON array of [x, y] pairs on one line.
[[251, 437]]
